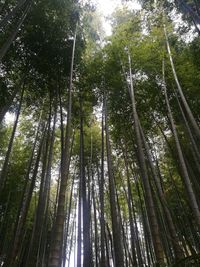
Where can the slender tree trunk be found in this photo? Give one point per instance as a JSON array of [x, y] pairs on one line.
[[174, 238], [47, 188], [137, 239], [61, 126], [87, 261], [129, 202], [71, 240], [187, 182], [9, 150], [3, 224], [25, 202], [183, 221], [13, 34], [184, 101], [117, 235], [57, 237], [101, 194], [126, 248], [68, 220], [194, 150], [95, 224], [112, 252], [107, 250], [151, 210], [184, 218], [79, 236], [42, 201], [146, 244]]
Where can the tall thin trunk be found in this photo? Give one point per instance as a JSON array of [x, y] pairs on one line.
[[4, 223], [79, 236], [146, 246], [71, 239], [55, 257], [87, 261], [125, 246], [185, 175], [25, 202], [183, 221], [101, 194], [95, 224], [137, 239], [39, 230], [9, 150], [112, 252], [184, 101], [92, 204], [151, 209], [61, 125], [68, 220], [130, 209], [43, 192], [172, 229], [195, 150], [184, 218], [13, 34], [46, 190], [117, 234]]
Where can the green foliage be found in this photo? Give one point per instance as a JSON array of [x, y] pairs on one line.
[[40, 61]]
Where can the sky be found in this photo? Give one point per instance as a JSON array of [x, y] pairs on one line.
[[106, 8]]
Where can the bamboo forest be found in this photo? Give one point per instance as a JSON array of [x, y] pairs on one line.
[[99, 133]]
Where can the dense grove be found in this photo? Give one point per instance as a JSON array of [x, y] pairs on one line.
[[99, 136]]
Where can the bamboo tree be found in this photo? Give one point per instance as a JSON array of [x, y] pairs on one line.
[[130, 210], [40, 211], [117, 235], [10, 145], [172, 229], [72, 237], [185, 175], [57, 238], [101, 192], [43, 206], [87, 261], [138, 245], [126, 249], [95, 224], [195, 150], [180, 91], [68, 219], [26, 198], [14, 33], [145, 180], [91, 179], [79, 235]]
